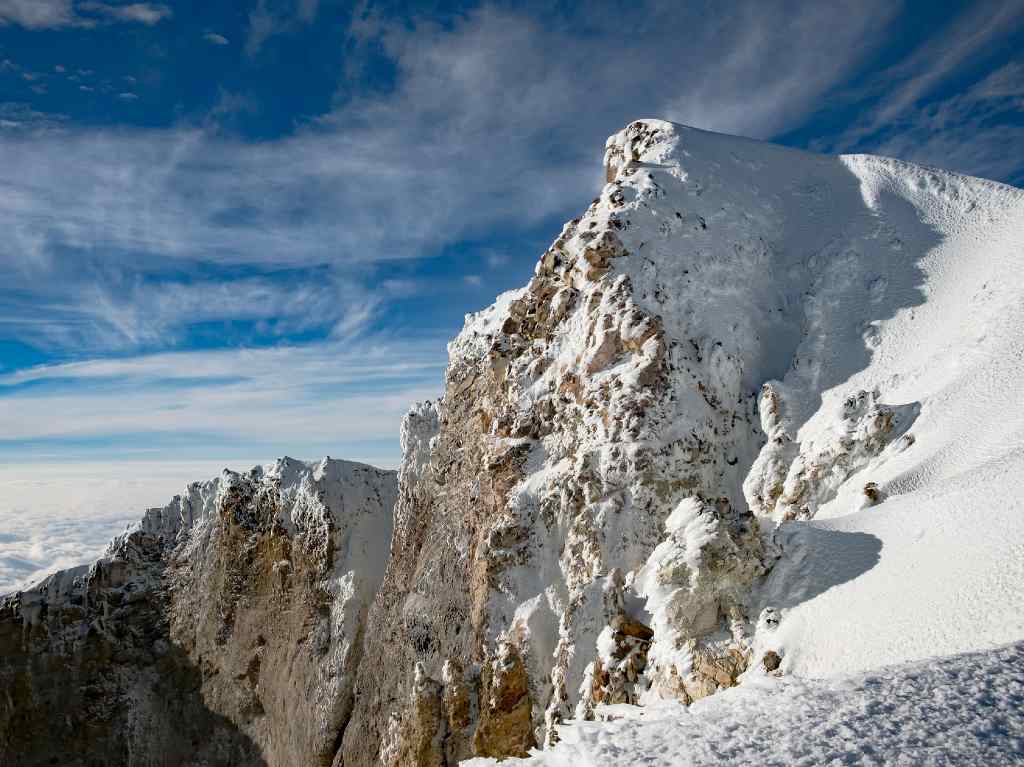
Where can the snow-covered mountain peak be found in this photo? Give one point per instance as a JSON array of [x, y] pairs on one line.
[[755, 419], [782, 335]]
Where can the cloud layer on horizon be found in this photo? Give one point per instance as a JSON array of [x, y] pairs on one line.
[[308, 400], [58, 516]]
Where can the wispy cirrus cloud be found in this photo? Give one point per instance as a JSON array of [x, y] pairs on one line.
[[141, 13], [112, 311], [967, 128], [911, 80], [967, 131], [309, 399], [50, 14], [276, 17], [344, 190], [37, 14], [486, 128], [21, 118]]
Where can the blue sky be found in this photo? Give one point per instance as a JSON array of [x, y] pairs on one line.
[[234, 230]]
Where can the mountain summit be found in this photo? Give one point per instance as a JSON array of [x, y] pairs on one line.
[[756, 418]]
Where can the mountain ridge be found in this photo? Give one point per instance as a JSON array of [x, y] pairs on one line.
[[717, 414]]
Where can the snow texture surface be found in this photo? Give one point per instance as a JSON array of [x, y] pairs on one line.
[[954, 711]]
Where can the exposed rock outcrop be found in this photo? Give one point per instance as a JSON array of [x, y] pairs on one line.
[[223, 629], [791, 481], [575, 418], [588, 472], [696, 583]]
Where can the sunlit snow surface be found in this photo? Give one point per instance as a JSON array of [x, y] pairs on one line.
[[963, 710]]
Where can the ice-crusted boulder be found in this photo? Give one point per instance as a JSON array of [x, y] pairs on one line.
[[791, 481], [224, 628]]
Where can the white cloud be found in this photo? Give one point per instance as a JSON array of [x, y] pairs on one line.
[[495, 259], [964, 132], [497, 121], [215, 39], [111, 309], [50, 14], [21, 118], [315, 394], [127, 96], [37, 14], [344, 194], [141, 13], [276, 17], [905, 88], [262, 26]]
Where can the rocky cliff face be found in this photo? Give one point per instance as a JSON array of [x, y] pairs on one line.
[[223, 629], [578, 413], [586, 516]]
